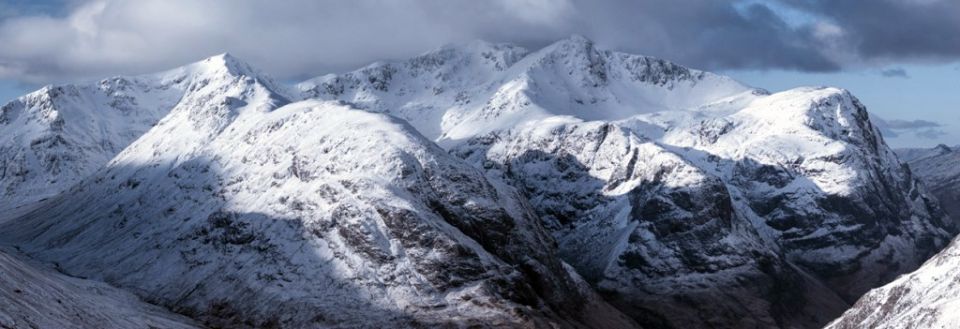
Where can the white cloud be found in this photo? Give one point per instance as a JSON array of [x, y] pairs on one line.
[[546, 12], [284, 37]]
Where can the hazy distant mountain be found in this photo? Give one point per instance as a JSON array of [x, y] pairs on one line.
[[939, 169]]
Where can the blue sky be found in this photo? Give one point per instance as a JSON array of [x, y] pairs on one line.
[[906, 73], [11, 89]]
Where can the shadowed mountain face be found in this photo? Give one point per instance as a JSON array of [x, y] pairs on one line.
[[685, 198], [649, 223], [927, 297]]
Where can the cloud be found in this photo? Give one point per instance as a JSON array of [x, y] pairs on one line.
[[709, 34], [14, 8], [887, 30], [920, 128], [298, 38], [895, 73], [305, 37], [284, 37]]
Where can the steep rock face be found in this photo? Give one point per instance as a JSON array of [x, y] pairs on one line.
[[938, 169], [666, 241], [308, 215], [827, 188], [52, 138], [35, 296], [926, 298]]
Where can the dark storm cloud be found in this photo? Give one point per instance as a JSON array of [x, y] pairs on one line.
[[706, 33], [893, 29], [299, 38], [895, 73]]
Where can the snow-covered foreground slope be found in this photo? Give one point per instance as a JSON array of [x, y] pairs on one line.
[[308, 215], [52, 138], [34, 296], [927, 298], [939, 169]]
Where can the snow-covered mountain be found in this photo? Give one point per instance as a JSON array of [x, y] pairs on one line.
[[663, 238], [52, 138], [458, 92], [655, 178], [239, 211], [455, 188]]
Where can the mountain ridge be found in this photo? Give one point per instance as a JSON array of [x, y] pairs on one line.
[[685, 198], [59, 134]]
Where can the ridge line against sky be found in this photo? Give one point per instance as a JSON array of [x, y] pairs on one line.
[[899, 56]]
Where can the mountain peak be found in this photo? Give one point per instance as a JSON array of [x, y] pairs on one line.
[[226, 59], [221, 66], [227, 63], [225, 67]]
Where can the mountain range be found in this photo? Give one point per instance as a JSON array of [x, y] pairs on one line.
[[474, 185]]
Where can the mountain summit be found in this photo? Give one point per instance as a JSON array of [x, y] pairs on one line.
[[52, 138], [455, 93]]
